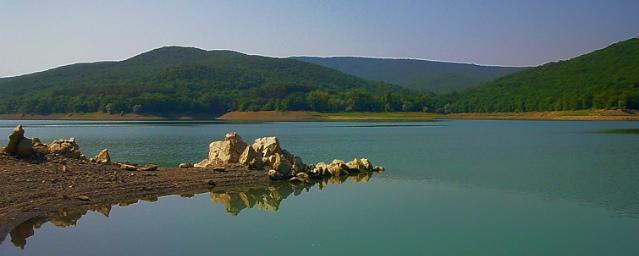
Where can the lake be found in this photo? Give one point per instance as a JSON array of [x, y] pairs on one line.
[[450, 188]]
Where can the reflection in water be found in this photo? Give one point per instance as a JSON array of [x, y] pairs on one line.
[[234, 201], [63, 218], [269, 198]]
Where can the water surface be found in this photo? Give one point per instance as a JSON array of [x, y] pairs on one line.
[[451, 188]]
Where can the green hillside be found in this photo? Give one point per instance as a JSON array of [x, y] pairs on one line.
[[191, 80], [422, 75], [603, 79]]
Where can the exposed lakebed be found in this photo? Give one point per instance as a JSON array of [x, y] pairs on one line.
[[454, 187]]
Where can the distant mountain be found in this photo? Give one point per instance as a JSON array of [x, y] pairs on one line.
[[423, 75], [603, 79], [190, 80]]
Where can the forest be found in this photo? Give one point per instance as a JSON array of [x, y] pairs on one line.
[[191, 80]]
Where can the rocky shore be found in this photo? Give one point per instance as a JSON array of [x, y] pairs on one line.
[[40, 179]]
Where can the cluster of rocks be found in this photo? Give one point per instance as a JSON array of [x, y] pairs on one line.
[[24, 147], [231, 153], [21, 146], [267, 154]]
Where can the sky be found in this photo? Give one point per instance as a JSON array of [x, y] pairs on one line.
[[38, 35]]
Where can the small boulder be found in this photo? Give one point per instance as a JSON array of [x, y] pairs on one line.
[[68, 148], [365, 164], [360, 165], [148, 168], [378, 169], [128, 167], [185, 165], [102, 157]]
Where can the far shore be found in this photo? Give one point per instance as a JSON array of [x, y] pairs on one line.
[[99, 116], [306, 116], [585, 115]]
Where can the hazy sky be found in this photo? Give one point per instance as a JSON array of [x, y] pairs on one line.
[[37, 35]]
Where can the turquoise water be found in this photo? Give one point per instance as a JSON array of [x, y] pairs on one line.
[[451, 188]]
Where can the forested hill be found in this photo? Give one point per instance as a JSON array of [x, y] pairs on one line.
[[606, 78], [191, 80], [422, 75]]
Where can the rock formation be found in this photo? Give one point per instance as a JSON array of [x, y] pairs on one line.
[[102, 157], [268, 155], [65, 147], [264, 154], [18, 144]]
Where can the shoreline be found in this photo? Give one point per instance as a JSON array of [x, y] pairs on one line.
[[38, 180], [310, 116], [32, 189], [98, 116], [581, 115]]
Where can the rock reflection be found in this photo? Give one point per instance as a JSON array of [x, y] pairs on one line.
[[269, 198], [63, 218], [234, 201]]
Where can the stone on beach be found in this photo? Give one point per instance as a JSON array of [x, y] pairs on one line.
[[102, 157], [18, 144], [185, 165]]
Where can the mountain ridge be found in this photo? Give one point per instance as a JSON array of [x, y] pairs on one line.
[[179, 79], [423, 75], [602, 79]]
